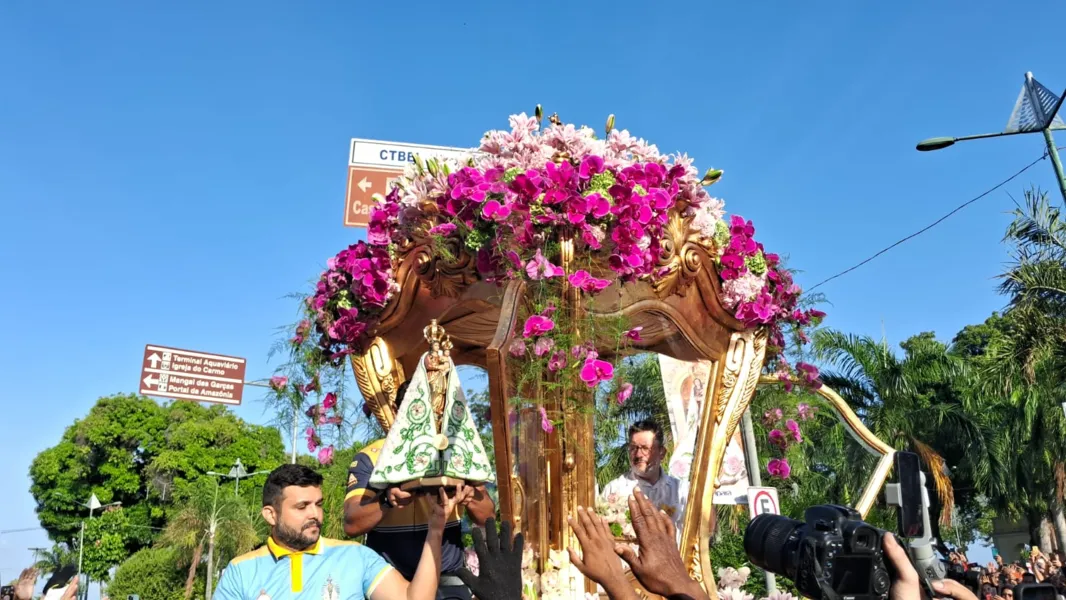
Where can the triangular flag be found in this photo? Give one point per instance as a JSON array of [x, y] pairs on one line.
[[94, 503], [1033, 109]]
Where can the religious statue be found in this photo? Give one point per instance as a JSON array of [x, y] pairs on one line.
[[434, 441]]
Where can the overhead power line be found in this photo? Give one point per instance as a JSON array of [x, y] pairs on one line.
[[931, 225]]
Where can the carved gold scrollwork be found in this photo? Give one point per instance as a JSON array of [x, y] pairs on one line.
[[444, 265], [679, 262], [379, 376]]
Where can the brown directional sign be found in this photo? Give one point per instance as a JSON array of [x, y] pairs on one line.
[[363, 183], [189, 375]]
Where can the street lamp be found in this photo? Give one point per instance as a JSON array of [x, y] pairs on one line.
[[92, 505], [236, 473], [1036, 110]]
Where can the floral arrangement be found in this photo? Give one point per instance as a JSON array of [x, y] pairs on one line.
[[784, 434], [507, 206], [731, 582], [615, 510]]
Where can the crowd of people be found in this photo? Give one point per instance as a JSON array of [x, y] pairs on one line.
[[998, 579]]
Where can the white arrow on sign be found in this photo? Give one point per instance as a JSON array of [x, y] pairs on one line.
[[364, 185], [150, 381], [154, 359]]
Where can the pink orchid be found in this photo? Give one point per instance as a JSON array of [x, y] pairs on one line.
[[779, 467], [543, 346], [518, 348], [444, 229], [772, 416], [634, 334], [595, 371], [329, 401], [777, 438], [586, 282], [624, 392], [557, 361], [495, 211], [325, 455], [805, 411], [278, 382], [810, 374], [537, 325], [794, 428], [545, 423], [540, 268]]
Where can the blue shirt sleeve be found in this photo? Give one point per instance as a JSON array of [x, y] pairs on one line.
[[374, 569], [229, 585]]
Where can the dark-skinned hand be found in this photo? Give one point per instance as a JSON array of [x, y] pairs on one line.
[[658, 567]]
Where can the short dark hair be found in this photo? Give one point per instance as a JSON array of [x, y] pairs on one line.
[[647, 425], [285, 476]]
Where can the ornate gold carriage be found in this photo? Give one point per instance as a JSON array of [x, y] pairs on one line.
[[543, 477]]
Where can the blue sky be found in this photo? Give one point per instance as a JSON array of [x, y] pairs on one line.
[[169, 173]]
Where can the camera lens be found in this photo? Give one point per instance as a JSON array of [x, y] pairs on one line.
[[766, 544]]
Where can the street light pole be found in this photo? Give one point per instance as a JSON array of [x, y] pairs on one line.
[[92, 504], [1036, 110]]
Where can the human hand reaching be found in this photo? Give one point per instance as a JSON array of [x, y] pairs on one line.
[[25, 584], [442, 508], [71, 592], [499, 563], [598, 560], [658, 567], [398, 498], [905, 582]]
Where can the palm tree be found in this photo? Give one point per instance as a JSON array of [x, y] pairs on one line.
[[213, 519], [1026, 364], [52, 560], [916, 402]]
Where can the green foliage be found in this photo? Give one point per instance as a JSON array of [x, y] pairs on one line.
[[334, 482], [152, 574], [132, 450], [106, 538]]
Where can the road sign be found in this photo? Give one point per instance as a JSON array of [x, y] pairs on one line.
[[373, 164], [763, 501], [189, 375]]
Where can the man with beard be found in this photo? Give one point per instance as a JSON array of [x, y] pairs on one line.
[[296, 560], [646, 454]]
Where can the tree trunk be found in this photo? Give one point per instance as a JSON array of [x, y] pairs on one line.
[[1045, 535], [1059, 519], [191, 579], [1033, 521], [210, 560]]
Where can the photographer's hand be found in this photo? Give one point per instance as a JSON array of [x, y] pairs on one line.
[[905, 582], [949, 588]]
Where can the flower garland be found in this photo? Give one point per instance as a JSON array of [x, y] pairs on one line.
[[509, 203], [784, 434]]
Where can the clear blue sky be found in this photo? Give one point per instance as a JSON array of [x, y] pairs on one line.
[[168, 173]]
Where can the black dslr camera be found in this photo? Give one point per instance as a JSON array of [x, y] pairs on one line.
[[831, 554]]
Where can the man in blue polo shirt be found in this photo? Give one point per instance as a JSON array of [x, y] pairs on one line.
[[296, 561], [395, 522]]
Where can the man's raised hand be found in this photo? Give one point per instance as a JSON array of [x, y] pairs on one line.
[[659, 567]]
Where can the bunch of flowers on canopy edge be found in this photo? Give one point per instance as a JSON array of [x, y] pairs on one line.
[[522, 189]]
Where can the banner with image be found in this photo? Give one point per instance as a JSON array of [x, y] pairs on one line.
[[685, 384]]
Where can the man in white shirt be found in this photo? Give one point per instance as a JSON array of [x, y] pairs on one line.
[[646, 454]]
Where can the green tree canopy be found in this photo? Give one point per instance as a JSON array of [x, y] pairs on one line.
[[152, 574], [133, 450]]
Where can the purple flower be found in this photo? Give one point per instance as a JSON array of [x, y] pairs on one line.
[[278, 382], [772, 416], [779, 467], [494, 211], [545, 423], [540, 268], [543, 346], [634, 334], [809, 373], [595, 371], [518, 348], [625, 392], [557, 361], [443, 229], [537, 325], [794, 428], [777, 438], [805, 411], [329, 401]]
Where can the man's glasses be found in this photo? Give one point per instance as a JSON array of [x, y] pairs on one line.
[[634, 449]]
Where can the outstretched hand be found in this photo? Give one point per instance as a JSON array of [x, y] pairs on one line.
[[905, 582], [598, 560], [499, 563], [658, 567], [24, 586]]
